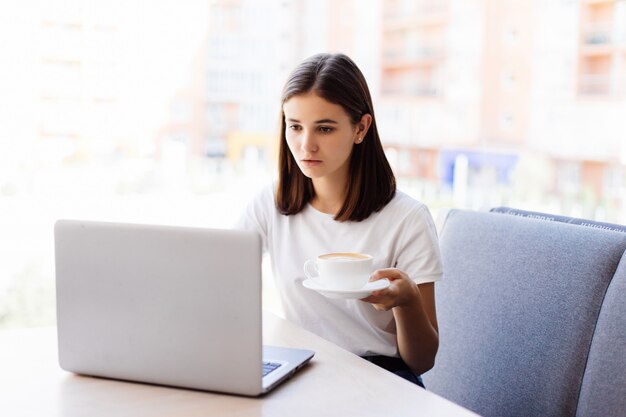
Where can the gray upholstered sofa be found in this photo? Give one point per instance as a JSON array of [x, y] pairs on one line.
[[532, 315]]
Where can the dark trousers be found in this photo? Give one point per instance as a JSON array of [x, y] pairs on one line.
[[397, 366]]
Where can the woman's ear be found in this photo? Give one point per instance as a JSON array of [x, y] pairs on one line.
[[362, 127]]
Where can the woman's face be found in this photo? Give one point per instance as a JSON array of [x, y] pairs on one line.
[[320, 136]]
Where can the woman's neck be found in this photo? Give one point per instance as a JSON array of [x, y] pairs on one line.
[[330, 195]]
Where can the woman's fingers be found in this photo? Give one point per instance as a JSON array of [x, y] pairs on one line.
[[400, 291], [389, 273], [383, 299]]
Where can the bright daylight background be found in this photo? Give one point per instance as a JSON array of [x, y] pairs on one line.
[[165, 111]]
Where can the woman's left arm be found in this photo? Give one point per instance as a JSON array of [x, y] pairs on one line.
[[413, 307]]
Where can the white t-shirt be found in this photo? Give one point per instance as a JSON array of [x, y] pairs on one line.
[[401, 235]]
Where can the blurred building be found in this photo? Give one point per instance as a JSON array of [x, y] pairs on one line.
[[578, 101], [61, 80], [229, 109], [477, 94], [479, 102]]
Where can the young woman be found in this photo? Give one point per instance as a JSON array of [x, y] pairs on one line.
[[336, 193]]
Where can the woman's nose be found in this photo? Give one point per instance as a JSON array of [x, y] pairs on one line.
[[308, 142]]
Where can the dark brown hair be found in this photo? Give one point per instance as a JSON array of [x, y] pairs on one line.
[[371, 183]]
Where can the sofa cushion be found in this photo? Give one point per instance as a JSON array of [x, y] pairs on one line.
[[603, 392], [517, 308]]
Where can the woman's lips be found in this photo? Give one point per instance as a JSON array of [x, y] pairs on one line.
[[310, 162]]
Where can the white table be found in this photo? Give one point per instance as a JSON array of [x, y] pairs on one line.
[[336, 383]]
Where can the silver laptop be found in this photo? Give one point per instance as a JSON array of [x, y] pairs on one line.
[[165, 305]]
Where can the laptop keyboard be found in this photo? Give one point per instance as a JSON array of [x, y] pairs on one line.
[[269, 367]]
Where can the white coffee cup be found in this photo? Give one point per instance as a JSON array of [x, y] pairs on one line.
[[342, 271]]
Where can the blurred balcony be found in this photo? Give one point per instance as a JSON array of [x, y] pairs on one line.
[[409, 87], [596, 84], [427, 11], [597, 34]]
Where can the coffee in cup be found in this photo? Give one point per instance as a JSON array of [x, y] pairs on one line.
[[342, 271]]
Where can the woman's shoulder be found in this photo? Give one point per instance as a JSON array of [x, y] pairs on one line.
[[404, 203]]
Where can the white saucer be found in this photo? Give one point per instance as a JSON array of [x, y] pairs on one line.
[[363, 292]]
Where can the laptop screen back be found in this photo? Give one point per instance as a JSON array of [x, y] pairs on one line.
[[165, 305]]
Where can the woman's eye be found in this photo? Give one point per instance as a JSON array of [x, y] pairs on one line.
[[326, 129], [294, 127]]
